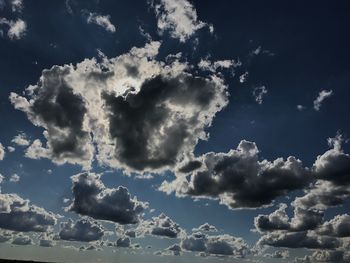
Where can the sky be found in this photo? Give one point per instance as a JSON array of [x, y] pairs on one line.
[[174, 131]]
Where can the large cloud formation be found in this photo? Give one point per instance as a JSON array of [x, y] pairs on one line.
[[239, 179], [92, 198], [18, 214], [132, 111], [308, 228]]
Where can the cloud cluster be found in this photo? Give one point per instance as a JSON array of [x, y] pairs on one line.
[[178, 17], [308, 228], [21, 140], [146, 115], [92, 198], [220, 245], [161, 226], [14, 28], [18, 214], [239, 179], [84, 229]]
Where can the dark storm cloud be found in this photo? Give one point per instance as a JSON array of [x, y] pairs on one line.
[[240, 180], [93, 199], [83, 229], [18, 214], [145, 116], [140, 125], [161, 226]]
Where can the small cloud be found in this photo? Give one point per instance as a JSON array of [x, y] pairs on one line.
[[21, 139], [300, 107], [259, 93], [324, 94], [103, 21], [14, 178]]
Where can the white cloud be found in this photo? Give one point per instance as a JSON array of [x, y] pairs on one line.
[[259, 93], [103, 21], [21, 139], [2, 152], [14, 178], [16, 29], [179, 17], [324, 94]]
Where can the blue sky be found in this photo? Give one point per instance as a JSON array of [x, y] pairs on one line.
[[160, 116]]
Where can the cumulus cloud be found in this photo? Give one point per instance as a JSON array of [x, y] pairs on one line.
[[259, 93], [162, 107], [21, 140], [239, 179], [18, 214], [84, 229], [14, 178], [178, 17], [22, 240], [16, 29], [324, 94], [207, 65], [206, 227], [220, 245], [2, 152], [103, 21], [92, 198], [123, 242], [161, 226], [325, 256]]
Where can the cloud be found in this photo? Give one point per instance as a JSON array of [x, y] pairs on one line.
[[339, 226], [206, 227], [161, 226], [280, 254], [164, 111], [2, 152], [207, 65], [325, 256], [324, 94], [17, 5], [178, 17], [239, 179], [5, 236], [18, 214], [16, 29], [220, 245], [84, 230], [103, 21], [11, 149], [123, 242], [259, 93], [93, 199], [21, 140], [22, 240], [14, 178]]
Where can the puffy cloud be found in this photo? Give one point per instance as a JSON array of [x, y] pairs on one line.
[[208, 65], [339, 226], [277, 220], [259, 93], [22, 240], [18, 214], [301, 239], [5, 236], [224, 245], [16, 29], [123, 242], [103, 21], [281, 254], [2, 152], [162, 226], [11, 149], [325, 256], [93, 199], [239, 179], [178, 17], [17, 5], [14, 178], [83, 229], [206, 227], [21, 140], [163, 109], [130, 233], [324, 94]]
